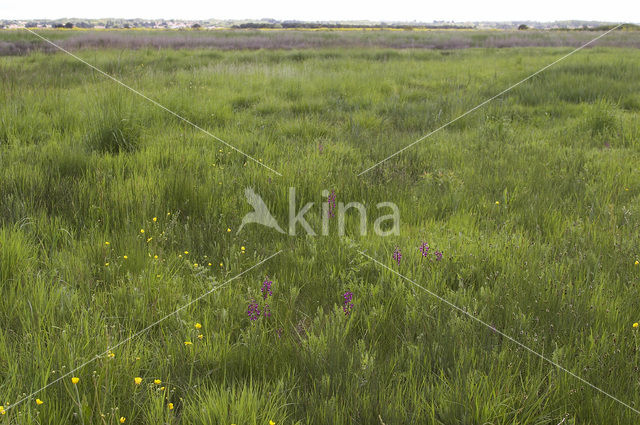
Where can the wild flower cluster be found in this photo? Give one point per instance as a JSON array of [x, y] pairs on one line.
[[266, 288], [253, 310], [347, 305], [397, 255], [424, 249], [331, 201]]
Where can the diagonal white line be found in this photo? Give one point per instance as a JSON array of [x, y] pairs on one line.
[[490, 99], [135, 335], [466, 313], [152, 101]]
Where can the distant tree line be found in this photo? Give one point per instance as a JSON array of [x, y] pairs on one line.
[[315, 25]]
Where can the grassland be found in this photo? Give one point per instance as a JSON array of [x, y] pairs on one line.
[[534, 201]]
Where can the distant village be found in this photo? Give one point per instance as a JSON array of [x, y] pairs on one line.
[[175, 24]]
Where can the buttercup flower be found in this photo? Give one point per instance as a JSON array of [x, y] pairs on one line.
[[39, 402], [155, 218], [137, 380], [122, 419], [200, 336], [75, 380], [157, 381], [170, 406], [188, 343], [197, 326], [635, 325]]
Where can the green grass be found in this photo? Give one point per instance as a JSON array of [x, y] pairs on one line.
[[83, 161]]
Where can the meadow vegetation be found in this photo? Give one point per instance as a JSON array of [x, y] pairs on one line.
[[113, 214]]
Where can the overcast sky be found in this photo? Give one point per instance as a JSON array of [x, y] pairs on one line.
[[375, 10]]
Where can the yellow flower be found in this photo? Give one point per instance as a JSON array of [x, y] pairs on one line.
[[137, 380], [157, 381], [75, 380], [637, 262], [155, 218], [272, 423], [141, 230], [635, 325], [155, 257], [242, 248], [110, 354], [200, 336], [170, 406], [161, 388], [39, 402], [2, 411], [497, 202], [125, 257], [195, 264], [188, 343], [220, 264], [168, 214], [106, 264], [149, 240], [186, 253], [228, 229], [122, 419], [107, 243], [209, 264], [197, 326]]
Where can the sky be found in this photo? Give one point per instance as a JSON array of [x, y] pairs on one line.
[[373, 10]]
